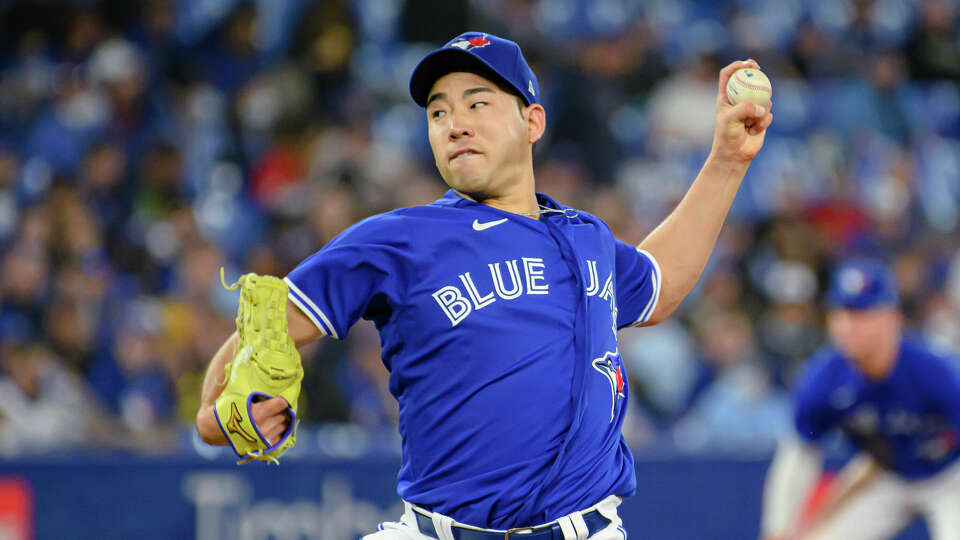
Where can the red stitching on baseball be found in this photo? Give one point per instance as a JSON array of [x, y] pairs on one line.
[[753, 86]]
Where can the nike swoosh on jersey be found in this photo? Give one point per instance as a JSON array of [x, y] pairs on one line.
[[477, 226]]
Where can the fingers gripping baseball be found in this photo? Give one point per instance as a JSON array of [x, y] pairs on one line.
[[740, 129], [272, 418], [728, 72], [750, 116]]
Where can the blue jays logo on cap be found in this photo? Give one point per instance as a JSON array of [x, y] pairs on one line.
[[852, 281], [489, 56], [862, 284], [467, 44]]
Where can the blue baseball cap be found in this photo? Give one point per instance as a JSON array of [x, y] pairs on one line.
[[495, 58], [862, 284]]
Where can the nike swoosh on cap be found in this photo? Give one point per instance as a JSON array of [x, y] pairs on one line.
[[477, 226]]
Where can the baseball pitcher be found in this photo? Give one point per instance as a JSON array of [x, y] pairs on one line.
[[498, 310]]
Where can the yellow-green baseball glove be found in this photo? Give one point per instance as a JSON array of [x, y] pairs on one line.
[[266, 364]]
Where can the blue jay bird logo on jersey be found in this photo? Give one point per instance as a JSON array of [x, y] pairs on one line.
[[608, 365]]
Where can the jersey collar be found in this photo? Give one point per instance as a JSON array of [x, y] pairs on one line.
[[451, 198]]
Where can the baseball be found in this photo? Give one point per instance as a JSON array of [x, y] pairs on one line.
[[751, 85]]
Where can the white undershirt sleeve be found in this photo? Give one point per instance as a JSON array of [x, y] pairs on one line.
[[793, 473]]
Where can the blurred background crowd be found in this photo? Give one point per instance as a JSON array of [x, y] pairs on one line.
[[145, 144]]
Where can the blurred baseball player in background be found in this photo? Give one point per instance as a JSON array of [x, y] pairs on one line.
[[898, 401], [498, 310]]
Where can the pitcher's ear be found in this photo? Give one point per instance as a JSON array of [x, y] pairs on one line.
[[536, 122]]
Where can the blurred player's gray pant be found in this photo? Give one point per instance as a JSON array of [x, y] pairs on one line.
[[888, 504], [406, 528]]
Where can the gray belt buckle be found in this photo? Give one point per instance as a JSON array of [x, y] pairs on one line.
[[506, 535]]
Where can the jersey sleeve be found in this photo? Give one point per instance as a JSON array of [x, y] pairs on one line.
[[940, 380], [360, 273], [637, 285], [813, 416]]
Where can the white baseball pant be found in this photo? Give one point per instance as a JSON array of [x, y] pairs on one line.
[[888, 503], [406, 528]]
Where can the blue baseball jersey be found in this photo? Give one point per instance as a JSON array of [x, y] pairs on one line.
[[500, 335], [908, 422]]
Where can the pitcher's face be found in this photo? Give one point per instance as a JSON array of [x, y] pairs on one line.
[[479, 136]]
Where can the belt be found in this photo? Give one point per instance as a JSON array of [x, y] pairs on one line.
[[551, 531]]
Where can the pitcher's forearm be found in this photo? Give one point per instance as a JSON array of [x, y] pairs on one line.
[[207, 424], [214, 378], [682, 243], [208, 428]]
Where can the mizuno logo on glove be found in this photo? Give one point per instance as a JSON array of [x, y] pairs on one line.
[[234, 424]]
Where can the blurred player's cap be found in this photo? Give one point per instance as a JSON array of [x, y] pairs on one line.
[[497, 59], [862, 284]]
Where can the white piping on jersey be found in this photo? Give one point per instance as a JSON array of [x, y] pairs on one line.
[[655, 281], [296, 301], [306, 299]]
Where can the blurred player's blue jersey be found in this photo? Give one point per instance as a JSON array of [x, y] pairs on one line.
[[499, 332], [908, 422]]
